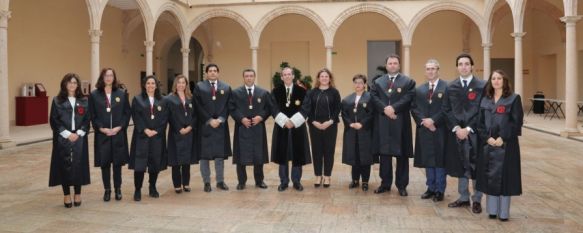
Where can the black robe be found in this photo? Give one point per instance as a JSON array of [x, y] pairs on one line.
[[69, 160], [214, 143], [393, 137], [364, 115], [180, 147], [499, 167], [289, 144], [461, 107], [321, 105], [110, 149], [429, 146], [148, 153], [250, 144]]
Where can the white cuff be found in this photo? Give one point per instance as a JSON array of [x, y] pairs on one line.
[[222, 119], [455, 128], [65, 134], [470, 129], [81, 133], [298, 119], [280, 119]]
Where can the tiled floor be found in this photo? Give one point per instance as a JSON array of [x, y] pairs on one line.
[[551, 169]]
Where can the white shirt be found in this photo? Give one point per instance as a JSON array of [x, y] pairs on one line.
[[357, 99], [67, 133], [252, 89], [434, 84], [469, 79]]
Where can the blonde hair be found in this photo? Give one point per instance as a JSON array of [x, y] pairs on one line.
[[187, 92], [317, 84]]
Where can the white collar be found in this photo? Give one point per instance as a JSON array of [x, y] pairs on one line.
[[469, 79], [252, 88]]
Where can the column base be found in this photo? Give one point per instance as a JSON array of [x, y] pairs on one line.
[[5, 144], [570, 133]]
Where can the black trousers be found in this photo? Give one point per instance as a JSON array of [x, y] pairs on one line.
[[67, 189], [284, 174], [323, 145], [106, 177], [257, 173], [359, 170], [401, 173], [181, 175], [139, 179]]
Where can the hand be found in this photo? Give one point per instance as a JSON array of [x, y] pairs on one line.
[[289, 124], [73, 137], [389, 111], [491, 141], [499, 141], [356, 126], [318, 125], [115, 130], [246, 122], [185, 130], [105, 131], [215, 123], [428, 123], [256, 120], [432, 128], [327, 124], [462, 133]]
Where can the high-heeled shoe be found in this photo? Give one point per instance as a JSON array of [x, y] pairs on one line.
[[69, 204], [187, 189], [318, 182], [77, 203], [326, 182]]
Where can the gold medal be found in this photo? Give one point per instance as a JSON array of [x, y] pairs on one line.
[[222, 92], [364, 105], [214, 98], [190, 105], [159, 108], [298, 102], [439, 95], [354, 110], [250, 106], [390, 90], [470, 90], [185, 113], [108, 109], [430, 101], [152, 117], [117, 99], [399, 90], [287, 104], [258, 100]]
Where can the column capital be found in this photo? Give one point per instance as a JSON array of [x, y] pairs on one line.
[[518, 35], [254, 47], [487, 45], [571, 19], [406, 46], [185, 50], [4, 17], [329, 47], [149, 43]]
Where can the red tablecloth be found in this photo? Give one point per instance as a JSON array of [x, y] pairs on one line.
[[32, 110]]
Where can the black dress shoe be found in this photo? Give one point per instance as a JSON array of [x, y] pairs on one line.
[[186, 189], [68, 205], [153, 192], [240, 186], [138, 195], [281, 187], [261, 185], [492, 216], [476, 207], [504, 220], [107, 195], [403, 192], [382, 189], [458, 203], [177, 190], [77, 203], [353, 184], [207, 187], [326, 182], [298, 186], [365, 187], [118, 194], [223, 186], [438, 196], [428, 194]]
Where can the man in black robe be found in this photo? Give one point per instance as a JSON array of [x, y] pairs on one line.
[[250, 106], [462, 105], [431, 132], [392, 95]]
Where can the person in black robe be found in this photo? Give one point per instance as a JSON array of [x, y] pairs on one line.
[[500, 125], [250, 106], [148, 148], [69, 120], [212, 96], [110, 117], [461, 107], [289, 141], [321, 108], [431, 131], [392, 95], [357, 115], [181, 118]]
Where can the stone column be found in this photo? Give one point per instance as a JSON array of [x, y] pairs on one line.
[[487, 66], [95, 35], [5, 140], [518, 81], [254, 62], [406, 61], [149, 56], [329, 57], [571, 85], [185, 69]]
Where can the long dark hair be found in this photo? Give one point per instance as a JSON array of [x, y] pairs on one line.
[[64, 93], [157, 94], [506, 87], [100, 85]]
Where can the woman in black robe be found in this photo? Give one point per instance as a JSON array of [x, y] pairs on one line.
[[181, 119], [357, 115], [70, 124], [501, 118], [322, 107], [110, 116], [148, 149]]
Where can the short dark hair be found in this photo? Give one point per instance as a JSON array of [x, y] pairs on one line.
[[206, 70], [249, 70], [359, 76], [393, 55], [64, 93], [462, 56], [506, 87], [101, 84]]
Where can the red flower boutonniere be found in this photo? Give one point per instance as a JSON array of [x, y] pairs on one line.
[[501, 109], [472, 95], [80, 110]]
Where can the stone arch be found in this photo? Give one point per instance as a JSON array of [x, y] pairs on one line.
[[145, 13], [180, 23], [221, 13], [495, 11], [446, 6], [367, 8], [310, 14]]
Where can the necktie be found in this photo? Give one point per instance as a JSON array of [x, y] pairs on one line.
[[465, 83], [430, 91], [213, 89], [250, 96], [391, 82], [287, 94]]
